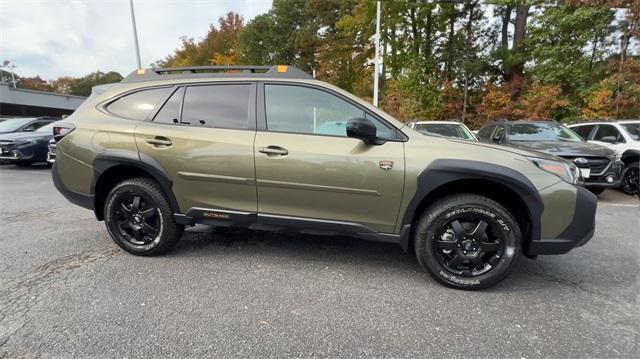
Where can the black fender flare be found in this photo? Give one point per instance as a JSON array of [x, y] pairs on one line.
[[443, 171], [630, 156], [111, 158]]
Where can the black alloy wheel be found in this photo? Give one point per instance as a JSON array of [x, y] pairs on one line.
[[468, 246], [467, 241], [137, 218], [631, 180]]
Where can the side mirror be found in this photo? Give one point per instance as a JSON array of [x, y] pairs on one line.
[[364, 130], [29, 128], [609, 139]]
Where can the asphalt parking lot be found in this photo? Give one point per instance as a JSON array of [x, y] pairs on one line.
[[66, 290]]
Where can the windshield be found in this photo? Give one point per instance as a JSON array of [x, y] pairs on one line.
[[541, 132], [47, 128], [633, 129], [14, 124], [446, 130]]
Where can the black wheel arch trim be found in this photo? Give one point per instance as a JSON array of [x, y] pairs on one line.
[[630, 156], [112, 158], [443, 171]]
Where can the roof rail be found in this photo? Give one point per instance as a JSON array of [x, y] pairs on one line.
[[163, 73]]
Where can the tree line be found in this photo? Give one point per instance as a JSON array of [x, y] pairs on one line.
[[468, 60], [472, 60]]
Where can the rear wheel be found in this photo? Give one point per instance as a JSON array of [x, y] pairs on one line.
[[467, 241], [139, 218], [631, 179]]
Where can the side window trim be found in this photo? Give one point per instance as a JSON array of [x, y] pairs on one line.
[[161, 104], [102, 106], [262, 117], [251, 114]]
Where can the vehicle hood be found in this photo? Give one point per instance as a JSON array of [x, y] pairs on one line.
[[510, 149], [19, 136], [566, 148]]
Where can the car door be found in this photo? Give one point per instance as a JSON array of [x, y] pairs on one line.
[[606, 132], [306, 166], [203, 138]]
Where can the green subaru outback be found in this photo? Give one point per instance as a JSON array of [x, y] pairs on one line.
[[271, 148]]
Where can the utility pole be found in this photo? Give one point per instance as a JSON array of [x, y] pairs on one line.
[[135, 36], [376, 71]]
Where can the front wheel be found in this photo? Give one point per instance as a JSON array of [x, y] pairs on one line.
[[139, 217], [631, 179], [467, 241]]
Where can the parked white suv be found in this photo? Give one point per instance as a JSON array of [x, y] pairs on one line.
[[624, 138]]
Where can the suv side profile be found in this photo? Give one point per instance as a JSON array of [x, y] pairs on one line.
[[622, 137], [271, 148]]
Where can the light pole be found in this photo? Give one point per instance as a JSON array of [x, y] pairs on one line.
[[376, 71], [135, 36]]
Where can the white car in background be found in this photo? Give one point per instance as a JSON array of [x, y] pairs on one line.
[[621, 136], [452, 129]]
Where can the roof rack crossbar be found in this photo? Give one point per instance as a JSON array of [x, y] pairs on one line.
[[192, 72], [196, 69]]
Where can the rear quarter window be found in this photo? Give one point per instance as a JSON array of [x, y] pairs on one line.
[[137, 105]]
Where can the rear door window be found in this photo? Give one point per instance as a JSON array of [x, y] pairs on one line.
[[137, 105], [217, 106], [607, 131]]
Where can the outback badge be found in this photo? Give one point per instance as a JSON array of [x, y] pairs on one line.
[[386, 165]]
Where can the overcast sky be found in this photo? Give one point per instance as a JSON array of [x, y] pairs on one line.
[[53, 38]]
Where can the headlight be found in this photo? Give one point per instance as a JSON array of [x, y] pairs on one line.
[[565, 170]]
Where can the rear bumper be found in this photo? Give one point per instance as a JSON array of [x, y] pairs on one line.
[[579, 231], [79, 199]]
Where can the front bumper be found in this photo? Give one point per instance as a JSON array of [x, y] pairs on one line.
[[614, 172], [17, 155], [579, 231]]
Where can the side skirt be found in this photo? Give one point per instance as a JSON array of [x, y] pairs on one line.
[[287, 224]]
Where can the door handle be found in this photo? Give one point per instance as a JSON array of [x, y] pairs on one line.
[[273, 150], [159, 141]]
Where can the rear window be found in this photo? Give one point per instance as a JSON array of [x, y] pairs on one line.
[[138, 105], [217, 106]]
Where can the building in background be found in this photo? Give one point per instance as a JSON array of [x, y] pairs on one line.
[[29, 103]]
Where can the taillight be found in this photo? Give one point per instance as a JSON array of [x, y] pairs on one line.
[[61, 130]]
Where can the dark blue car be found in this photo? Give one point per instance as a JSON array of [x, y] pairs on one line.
[[26, 148]]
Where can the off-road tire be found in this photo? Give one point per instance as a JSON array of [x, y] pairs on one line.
[[630, 179], [150, 194], [500, 223]]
